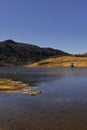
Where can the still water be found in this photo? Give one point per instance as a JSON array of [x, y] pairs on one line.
[[62, 106]]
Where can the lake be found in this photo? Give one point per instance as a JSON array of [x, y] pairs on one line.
[[62, 105]]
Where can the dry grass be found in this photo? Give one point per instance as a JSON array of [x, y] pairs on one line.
[[6, 85], [63, 61]]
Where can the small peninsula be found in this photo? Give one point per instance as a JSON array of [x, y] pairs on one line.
[[10, 85]]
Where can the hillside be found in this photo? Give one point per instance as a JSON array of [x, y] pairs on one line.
[[15, 53], [63, 61]]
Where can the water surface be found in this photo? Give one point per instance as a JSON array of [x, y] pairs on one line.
[[62, 106]]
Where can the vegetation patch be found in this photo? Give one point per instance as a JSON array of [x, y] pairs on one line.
[[10, 85]]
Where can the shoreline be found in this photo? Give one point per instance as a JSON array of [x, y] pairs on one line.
[[8, 85]]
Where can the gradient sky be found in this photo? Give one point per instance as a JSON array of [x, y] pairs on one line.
[[60, 24]]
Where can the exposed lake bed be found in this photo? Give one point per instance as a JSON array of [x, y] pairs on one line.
[[62, 105]]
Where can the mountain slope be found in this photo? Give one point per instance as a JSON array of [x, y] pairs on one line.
[[14, 53], [62, 61]]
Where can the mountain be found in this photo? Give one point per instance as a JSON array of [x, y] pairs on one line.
[[15, 53]]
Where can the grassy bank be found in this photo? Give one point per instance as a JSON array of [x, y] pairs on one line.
[[63, 61]]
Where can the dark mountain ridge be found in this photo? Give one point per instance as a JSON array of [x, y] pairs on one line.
[[15, 53]]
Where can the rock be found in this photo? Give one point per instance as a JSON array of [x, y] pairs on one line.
[[33, 93]]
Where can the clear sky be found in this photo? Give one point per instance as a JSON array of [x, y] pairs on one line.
[[60, 24]]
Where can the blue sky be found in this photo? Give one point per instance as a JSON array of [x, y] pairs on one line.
[[60, 24]]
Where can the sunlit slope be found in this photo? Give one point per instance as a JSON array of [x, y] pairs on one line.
[[63, 61]]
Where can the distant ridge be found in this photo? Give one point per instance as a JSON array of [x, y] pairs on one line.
[[14, 53], [8, 41]]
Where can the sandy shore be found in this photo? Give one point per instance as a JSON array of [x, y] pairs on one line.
[[63, 61], [7, 84]]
